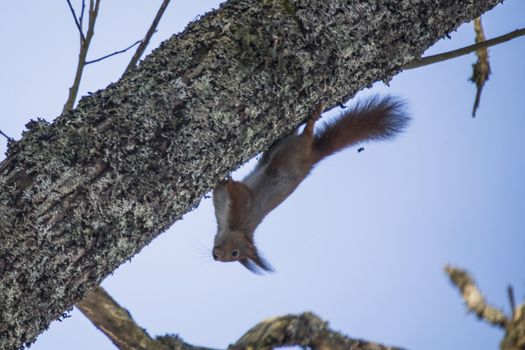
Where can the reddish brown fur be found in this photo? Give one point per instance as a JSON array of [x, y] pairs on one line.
[[375, 119], [241, 202], [282, 168]]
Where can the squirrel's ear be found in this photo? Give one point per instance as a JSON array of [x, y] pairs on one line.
[[250, 265], [263, 264], [257, 264]]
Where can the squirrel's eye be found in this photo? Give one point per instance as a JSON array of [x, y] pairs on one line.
[[235, 253]]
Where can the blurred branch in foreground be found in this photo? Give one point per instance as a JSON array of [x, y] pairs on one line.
[[306, 330], [514, 325]]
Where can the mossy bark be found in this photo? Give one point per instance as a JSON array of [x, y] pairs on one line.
[[81, 195]]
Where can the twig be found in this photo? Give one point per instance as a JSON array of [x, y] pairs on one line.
[[114, 53], [512, 301], [7, 137], [81, 19], [147, 38], [84, 47], [77, 22], [474, 299], [424, 61]]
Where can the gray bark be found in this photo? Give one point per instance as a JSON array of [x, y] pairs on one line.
[[81, 195]]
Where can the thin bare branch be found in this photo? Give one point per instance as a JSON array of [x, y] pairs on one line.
[[77, 22], [147, 38], [512, 301], [474, 299], [81, 19], [7, 137], [114, 53], [424, 61], [73, 90]]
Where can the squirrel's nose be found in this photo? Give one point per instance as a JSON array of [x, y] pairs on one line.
[[214, 254]]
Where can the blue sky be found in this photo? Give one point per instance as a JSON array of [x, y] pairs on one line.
[[364, 239]]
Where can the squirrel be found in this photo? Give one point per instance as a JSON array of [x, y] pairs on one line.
[[240, 206]]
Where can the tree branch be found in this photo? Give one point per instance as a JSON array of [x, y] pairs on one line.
[[514, 338], [424, 61], [480, 69], [142, 47], [81, 18], [114, 53], [84, 47], [115, 322], [474, 299], [305, 330], [118, 325], [7, 137], [77, 22], [512, 301]]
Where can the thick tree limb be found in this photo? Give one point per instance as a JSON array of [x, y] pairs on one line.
[[118, 325], [115, 322], [84, 194], [306, 330]]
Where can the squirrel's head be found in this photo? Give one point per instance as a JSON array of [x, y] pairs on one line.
[[238, 246]]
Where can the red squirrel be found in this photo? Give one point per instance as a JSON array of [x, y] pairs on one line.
[[240, 206]]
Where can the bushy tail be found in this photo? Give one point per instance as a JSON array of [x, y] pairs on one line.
[[376, 118]]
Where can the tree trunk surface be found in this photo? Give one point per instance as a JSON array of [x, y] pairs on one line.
[[80, 196]]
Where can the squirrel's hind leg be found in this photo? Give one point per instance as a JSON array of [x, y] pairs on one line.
[[310, 124]]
